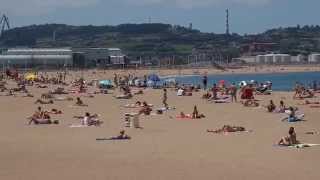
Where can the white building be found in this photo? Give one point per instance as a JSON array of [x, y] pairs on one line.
[[30, 57], [314, 58]]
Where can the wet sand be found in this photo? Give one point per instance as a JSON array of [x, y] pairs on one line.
[[166, 147]]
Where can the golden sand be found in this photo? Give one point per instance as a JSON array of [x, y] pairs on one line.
[[166, 147]]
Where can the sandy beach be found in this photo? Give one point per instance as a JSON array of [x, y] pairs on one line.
[[166, 147]]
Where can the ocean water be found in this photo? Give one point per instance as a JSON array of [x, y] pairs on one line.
[[280, 81]]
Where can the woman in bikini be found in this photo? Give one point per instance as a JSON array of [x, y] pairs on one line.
[[289, 140]]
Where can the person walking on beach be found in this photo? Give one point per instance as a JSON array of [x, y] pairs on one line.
[[165, 98], [205, 82], [233, 92]]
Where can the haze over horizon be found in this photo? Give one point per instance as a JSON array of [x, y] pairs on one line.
[[246, 16]]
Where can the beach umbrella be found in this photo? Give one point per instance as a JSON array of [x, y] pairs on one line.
[[243, 83], [222, 82], [105, 83], [171, 80], [154, 78], [30, 77]]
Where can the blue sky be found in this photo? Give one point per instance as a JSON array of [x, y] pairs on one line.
[[247, 16]]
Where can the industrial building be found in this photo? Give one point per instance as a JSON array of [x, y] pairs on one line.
[[40, 57], [61, 57], [273, 59], [98, 57]]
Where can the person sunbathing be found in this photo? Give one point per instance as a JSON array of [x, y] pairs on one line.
[[307, 102], [182, 115], [63, 98], [47, 95], [250, 103], [145, 109], [43, 101], [55, 111], [122, 136], [41, 86], [79, 102], [207, 95], [59, 90], [228, 128], [307, 94], [136, 105], [28, 95], [42, 118], [138, 92], [289, 140], [196, 114]]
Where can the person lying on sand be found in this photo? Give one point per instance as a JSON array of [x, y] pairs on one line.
[[307, 102], [207, 95], [41, 118], [28, 95], [48, 95], [79, 102], [124, 96], [122, 136], [250, 103], [59, 90], [41, 86], [228, 128], [43, 101], [138, 92], [182, 115], [55, 111], [145, 109], [61, 98], [289, 140], [137, 104]]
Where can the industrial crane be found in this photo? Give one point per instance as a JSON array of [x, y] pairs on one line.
[[4, 24]]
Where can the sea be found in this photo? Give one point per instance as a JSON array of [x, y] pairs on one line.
[[280, 81]]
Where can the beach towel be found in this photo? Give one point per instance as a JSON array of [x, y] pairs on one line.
[[302, 145], [78, 126], [112, 139]]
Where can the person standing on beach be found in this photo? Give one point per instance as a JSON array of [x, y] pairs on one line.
[[165, 98], [205, 82], [115, 80], [233, 92]]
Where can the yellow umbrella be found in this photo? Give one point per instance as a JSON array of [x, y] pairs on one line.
[[30, 77]]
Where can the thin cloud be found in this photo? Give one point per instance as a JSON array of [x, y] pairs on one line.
[[39, 7], [197, 3]]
